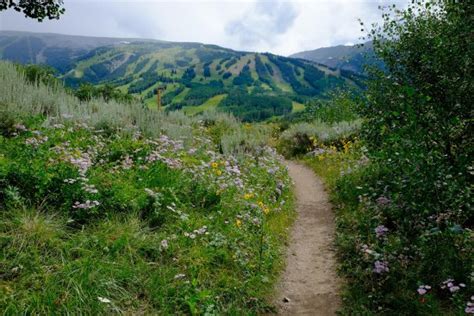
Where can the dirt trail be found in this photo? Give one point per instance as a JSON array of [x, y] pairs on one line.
[[309, 285]]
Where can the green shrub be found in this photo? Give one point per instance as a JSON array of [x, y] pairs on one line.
[[405, 220], [302, 138]]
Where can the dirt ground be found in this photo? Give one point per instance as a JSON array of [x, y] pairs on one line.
[[309, 284]]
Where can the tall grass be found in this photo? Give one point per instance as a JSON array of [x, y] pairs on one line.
[[20, 98]]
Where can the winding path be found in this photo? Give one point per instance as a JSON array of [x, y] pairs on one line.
[[309, 285]]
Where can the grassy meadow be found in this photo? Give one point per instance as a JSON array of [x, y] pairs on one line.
[[113, 208]]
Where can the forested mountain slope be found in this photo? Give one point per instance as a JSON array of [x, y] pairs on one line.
[[344, 57], [190, 73]]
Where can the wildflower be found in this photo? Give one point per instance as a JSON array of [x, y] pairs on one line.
[[201, 231], [238, 223], [150, 192], [179, 276], [470, 306], [218, 172], [90, 188], [20, 127], [35, 142], [451, 285], [104, 300], [380, 267], [381, 231], [423, 289], [127, 163], [214, 165], [266, 210], [248, 196], [347, 146], [382, 201], [454, 289], [164, 244], [87, 205]]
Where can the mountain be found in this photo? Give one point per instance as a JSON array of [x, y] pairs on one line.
[[254, 86], [56, 50], [349, 58]]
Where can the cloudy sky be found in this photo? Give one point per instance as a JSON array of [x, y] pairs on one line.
[[278, 26]]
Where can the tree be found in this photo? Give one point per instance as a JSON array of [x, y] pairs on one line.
[[35, 9]]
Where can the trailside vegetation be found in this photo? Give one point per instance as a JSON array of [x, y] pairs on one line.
[[403, 187], [402, 180], [114, 208]]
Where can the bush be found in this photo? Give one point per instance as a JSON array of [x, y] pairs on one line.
[[405, 222], [302, 138], [87, 92], [340, 106]]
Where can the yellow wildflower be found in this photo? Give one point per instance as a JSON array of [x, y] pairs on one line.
[[347, 146], [264, 208], [248, 196], [214, 165], [218, 172], [238, 223]]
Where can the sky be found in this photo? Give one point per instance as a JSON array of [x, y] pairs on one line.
[[278, 26]]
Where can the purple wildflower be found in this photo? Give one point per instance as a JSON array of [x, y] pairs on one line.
[[470, 306], [381, 231], [382, 201], [423, 289], [450, 284], [381, 267], [86, 205]]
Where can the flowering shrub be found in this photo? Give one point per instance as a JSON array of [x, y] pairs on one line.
[[302, 138], [390, 268], [405, 217]]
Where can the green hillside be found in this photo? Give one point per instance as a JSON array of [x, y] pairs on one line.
[[257, 86]]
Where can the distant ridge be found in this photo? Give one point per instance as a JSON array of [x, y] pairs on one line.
[[346, 57]]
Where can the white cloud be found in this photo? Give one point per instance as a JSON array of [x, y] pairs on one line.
[[278, 26], [261, 23]]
